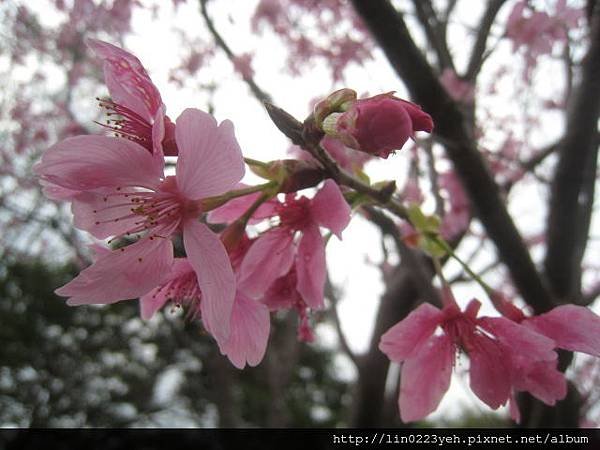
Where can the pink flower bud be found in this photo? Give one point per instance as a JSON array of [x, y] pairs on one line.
[[378, 125]]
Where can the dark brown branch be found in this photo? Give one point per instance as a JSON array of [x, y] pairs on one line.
[[399, 299], [434, 32], [479, 47], [572, 194], [422, 271], [331, 294], [261, 95], [388, 27]]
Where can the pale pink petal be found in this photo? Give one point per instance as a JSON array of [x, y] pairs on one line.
[[571, 327], [513, 408], [210, 160], [122, 274], [92, 162], [157, 297], [249, 333], [282, 294], [311, 268], [269, 258], [208, 257], [152, 302], [233, 209], [425, 378], [489, 372], [406, 338], [55, 192], [158, 134], [329, 208], [519, 339], [127, 80], [543, 381], [102, 215]]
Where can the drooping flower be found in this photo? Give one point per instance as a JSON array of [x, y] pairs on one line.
[[249, 322], [571, 327], [135, 100], [377, 125], [124, 192], [504, 357], [273, 254], [282, 295]]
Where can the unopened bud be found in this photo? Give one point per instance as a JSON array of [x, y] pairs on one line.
[[377, 125], [338, 101]]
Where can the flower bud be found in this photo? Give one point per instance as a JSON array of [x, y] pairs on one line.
[[338, 101], [377, 125]]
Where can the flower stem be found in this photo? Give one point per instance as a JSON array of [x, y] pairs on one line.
[[442, 244], [249, 190]]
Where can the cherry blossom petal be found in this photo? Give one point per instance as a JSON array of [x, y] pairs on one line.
[[543, 381], [158, 134], [55, 192], [519, 339], [122, 274], [513, 408], [571, 327], [101, 214], [489, 372], [329, 208], [157, 297], [210, 159], [92, 162], [249, 333], [406, 338], [311, 268], [269, 258], [128, 82], [152, 302], [425, 378], [208, 257]]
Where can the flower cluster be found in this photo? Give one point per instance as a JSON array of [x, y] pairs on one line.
[[270, 254], [507, 354], [119, 191]]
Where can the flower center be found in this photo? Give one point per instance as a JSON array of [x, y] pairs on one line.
[[294, 214], [129, 125]]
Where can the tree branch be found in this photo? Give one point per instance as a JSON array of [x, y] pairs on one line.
[[388, 27], [572, 192], [434, 32], [479, 47], [261, 95], [330, 293]]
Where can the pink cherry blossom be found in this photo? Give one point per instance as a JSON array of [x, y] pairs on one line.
[[135, 99], [458, 215], [273, 254], [504, 357], [124, 193], [283, 294], [378, 125], [571, 327], [249, 323], [457, 89]]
